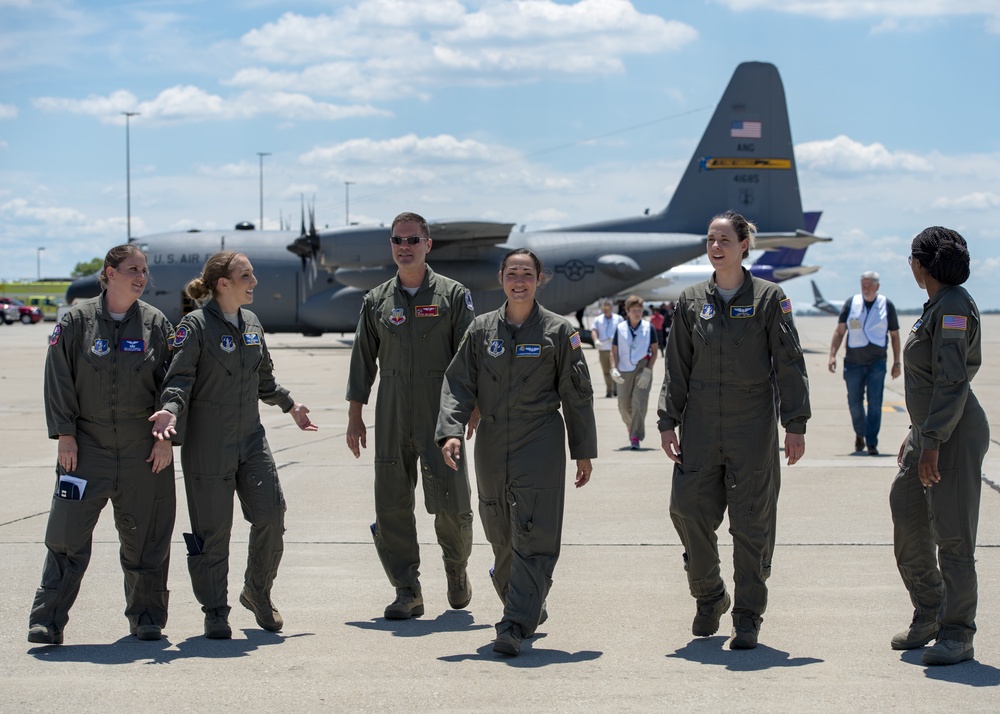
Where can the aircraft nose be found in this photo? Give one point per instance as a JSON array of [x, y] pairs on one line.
[[82, 289]]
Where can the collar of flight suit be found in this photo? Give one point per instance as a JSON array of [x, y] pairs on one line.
[[428, 276], [105, 314], [747, 282], [213, 307]]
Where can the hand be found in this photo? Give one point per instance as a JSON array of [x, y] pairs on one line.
[[301, 416], [668, 440], [356, 434], [161, 455], [451, 450], [617, 376], [645, 378], [473, 423], [164, 424], [597, 344], [833, 364], [583, 471], [67, 453], [899, 455], [927, 469], [896, 370], [795, 447]]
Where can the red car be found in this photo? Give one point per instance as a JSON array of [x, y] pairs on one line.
[[26, 314]]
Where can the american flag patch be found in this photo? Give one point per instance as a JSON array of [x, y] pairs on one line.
[[953, 322], [786, 305], [745, 130], [574, 340]]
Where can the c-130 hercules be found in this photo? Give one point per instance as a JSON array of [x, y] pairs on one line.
[[313, 282]]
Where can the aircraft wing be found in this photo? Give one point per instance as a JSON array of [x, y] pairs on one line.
[[799, 239], [478, 231], [794, 271]]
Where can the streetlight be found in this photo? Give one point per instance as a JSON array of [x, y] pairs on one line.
[[38, 257], [128, 175], [347, 202], [262, 154]]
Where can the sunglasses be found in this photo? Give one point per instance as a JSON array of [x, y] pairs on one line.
[[409, 240]]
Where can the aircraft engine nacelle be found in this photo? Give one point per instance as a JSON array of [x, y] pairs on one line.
[[334, 310], [354, 247]]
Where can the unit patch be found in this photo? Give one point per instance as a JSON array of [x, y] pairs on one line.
[[228, 344], [180, 334], [426, 311], [468, 300], [132, 346], [574, 340], [54, 337], [495, 348], [953, 322], [707, 311], [101, 347], [397, 316], [251, 338], [528, 351], [741, 311], [786, 305]]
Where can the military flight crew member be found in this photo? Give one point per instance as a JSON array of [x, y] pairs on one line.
[[106, 361], [602, 331], [518, 364], [410, 328], [633, 352], [727, 335], [221, 368], [935, 497]]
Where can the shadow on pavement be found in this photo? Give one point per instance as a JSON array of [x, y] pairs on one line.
[[971, 673], [531, 657], [711, 650], [450, 621]]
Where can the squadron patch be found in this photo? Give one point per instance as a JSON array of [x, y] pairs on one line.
[[132, 346], [426, 311], [54, 337], [496, 348], [228, 344], [741, 311], [251, 338], [707, 311], [528, 351], [786, 305], [180, 334], [397, 316], [101, 347], [917, 324], [954, 322], [468, 300]]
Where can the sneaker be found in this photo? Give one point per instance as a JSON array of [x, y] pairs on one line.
[[145, 629], [859, 443], [217, 624], [405, 606], [264, 611], [508, 641], [634, 443], [45, 635], [946, 652], [459, 590], [917, 635], [872, 451], [745, 629], [706, 621]]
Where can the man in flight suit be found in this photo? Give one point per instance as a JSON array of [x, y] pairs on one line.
[[411, 326]]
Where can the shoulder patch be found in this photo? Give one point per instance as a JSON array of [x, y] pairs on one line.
[[574, 340], [917, 324], [468, 299], [180, 335], [54, 337], [786, 305], [953, 322]]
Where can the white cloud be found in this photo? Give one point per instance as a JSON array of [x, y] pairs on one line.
[[843, 154], [849, 9], [8, 111], [439, 148], [976, 201]]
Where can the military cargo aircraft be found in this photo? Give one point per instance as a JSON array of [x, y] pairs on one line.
[[824, 305], [314, 282]]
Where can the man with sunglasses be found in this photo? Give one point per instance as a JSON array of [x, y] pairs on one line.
[[411, 326]]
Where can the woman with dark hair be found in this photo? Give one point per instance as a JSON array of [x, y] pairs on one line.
[[220, 371], [941, 459], [518, 364], [733, 348], [106, 362]]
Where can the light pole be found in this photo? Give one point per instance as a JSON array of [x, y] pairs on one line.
[[347, 202], [38, 257], [128, 175], [262, 154]]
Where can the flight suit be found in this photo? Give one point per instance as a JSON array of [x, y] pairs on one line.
[[719, 390], [519, 377], [412, 339], [102, 381], [934, 528], [216, 380]]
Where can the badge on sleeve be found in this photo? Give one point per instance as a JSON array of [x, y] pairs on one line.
[[251, 338], [397, 316], [528, 351], [468, 299], [707, 311], [917, 324], [741, 312], [574, 340], [426, 310], [786, 305], [132, 346], [54, 337], [496, 348], [228, 344], [180, 334], [953, 322], [101, 347]]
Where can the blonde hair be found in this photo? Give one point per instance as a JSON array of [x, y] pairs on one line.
[[216, 267]]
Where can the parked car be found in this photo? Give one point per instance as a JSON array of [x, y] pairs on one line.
[[25, 313], [8, 312]]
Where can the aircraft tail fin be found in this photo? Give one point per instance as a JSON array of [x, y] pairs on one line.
[[817, 295], [744, 162]]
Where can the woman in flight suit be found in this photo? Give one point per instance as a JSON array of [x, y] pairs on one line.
[[935, 497], [221, 368], [106, 362], [727, 336], [518, 364]]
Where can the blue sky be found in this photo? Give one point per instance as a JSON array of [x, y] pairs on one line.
[[538, 112]]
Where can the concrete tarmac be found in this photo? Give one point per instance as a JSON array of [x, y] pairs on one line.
[[618, 636]]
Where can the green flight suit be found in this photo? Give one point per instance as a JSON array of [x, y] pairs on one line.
[[934, 528], [719, 389], [410, 340], [216, 380], [519, 376], [102, 381]]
